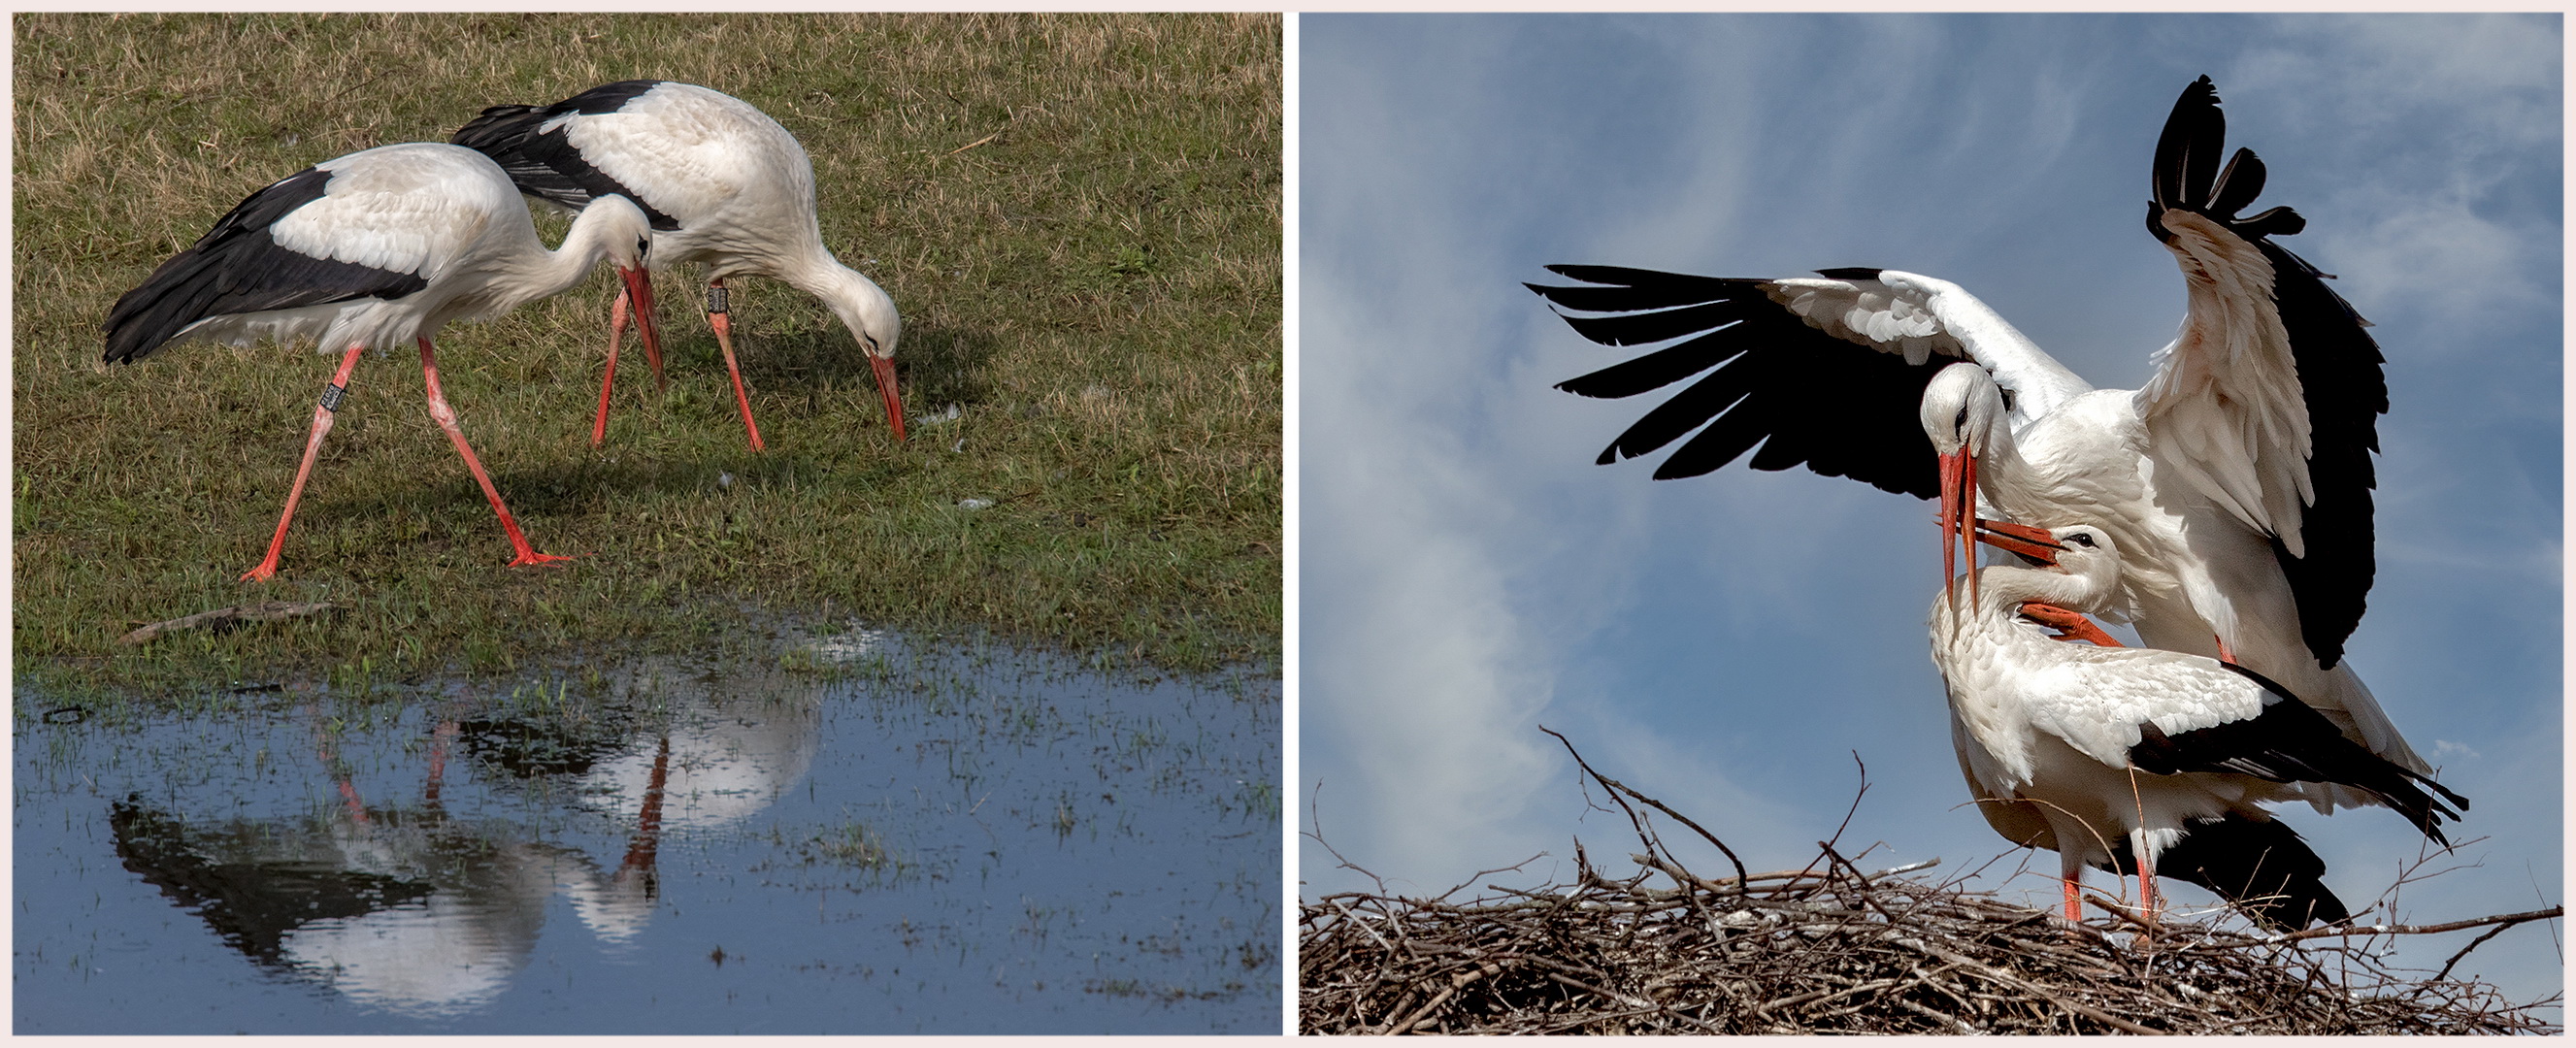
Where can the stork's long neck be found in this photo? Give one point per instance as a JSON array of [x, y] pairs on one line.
[[543, 274], [862, 306], [2002, 589], [1999, 462]]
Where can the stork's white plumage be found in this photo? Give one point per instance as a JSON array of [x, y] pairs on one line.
[[725, 186], [373, 249], [2239, 478], [2140, 760]]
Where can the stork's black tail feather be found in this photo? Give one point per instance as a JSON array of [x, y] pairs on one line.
[[2262, 867]]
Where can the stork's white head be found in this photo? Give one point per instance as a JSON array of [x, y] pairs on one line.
[[870, 315], [1962, 409], [1963, 413], [2079, 551], [615, 228]]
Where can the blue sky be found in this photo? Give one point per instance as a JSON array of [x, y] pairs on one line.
[[1726, 643]]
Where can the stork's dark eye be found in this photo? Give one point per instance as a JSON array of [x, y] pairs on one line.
[[1960, 422], [2081, 539]]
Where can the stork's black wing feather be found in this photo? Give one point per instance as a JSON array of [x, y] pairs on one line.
[[2340, 375], [1842, 409], [237, 267], [2291, 742], [546, 166]]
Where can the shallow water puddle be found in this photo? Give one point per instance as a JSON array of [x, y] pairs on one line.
[[928, 842]]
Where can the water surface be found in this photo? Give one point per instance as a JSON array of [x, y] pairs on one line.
[[912, 841]]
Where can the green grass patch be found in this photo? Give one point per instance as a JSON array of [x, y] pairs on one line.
[[1079, 217]]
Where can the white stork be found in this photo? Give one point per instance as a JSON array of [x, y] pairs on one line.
[[2238, 478], [374, 249], [2141, 760], [724, 185]]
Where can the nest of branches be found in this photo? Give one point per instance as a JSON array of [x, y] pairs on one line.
[[1831, 949]]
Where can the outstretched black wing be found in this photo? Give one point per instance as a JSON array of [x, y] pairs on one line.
[[1840, 408]]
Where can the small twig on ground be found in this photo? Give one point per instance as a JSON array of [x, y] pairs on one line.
[[227, 618]]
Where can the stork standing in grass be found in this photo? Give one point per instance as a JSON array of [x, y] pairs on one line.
[[723, 184], [2238, 480], [2139, 760], [372, 250]]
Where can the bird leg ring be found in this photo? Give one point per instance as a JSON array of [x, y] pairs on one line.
[[718, 319], [322, 413]]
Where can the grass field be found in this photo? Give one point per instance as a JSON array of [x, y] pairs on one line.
[[1079, 217]]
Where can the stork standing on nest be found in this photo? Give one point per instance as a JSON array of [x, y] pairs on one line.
[[723, 184], [2138, 760], [374, 249], [2238, 479]]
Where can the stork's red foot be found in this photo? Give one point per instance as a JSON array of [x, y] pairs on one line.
[[528, 557], [2069, 625], [262, 573]]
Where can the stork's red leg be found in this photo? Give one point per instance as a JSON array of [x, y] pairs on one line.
[[446, 417], [312, 447], [2074, 901], [2224, 655], [717, 319], [2146, 886], [438, 740], [616, 334]]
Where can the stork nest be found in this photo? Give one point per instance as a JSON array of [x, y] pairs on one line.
[[1829, 949]]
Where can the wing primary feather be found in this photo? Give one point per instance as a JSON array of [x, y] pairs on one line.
[[1655, 370]]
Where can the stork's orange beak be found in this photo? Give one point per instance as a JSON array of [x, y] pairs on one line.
[[885, 385], [639, 291], [2035, 543]]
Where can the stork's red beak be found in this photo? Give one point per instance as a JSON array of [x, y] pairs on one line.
[[885, 384], [2035, 543], [1958, 516], [639, 291]]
